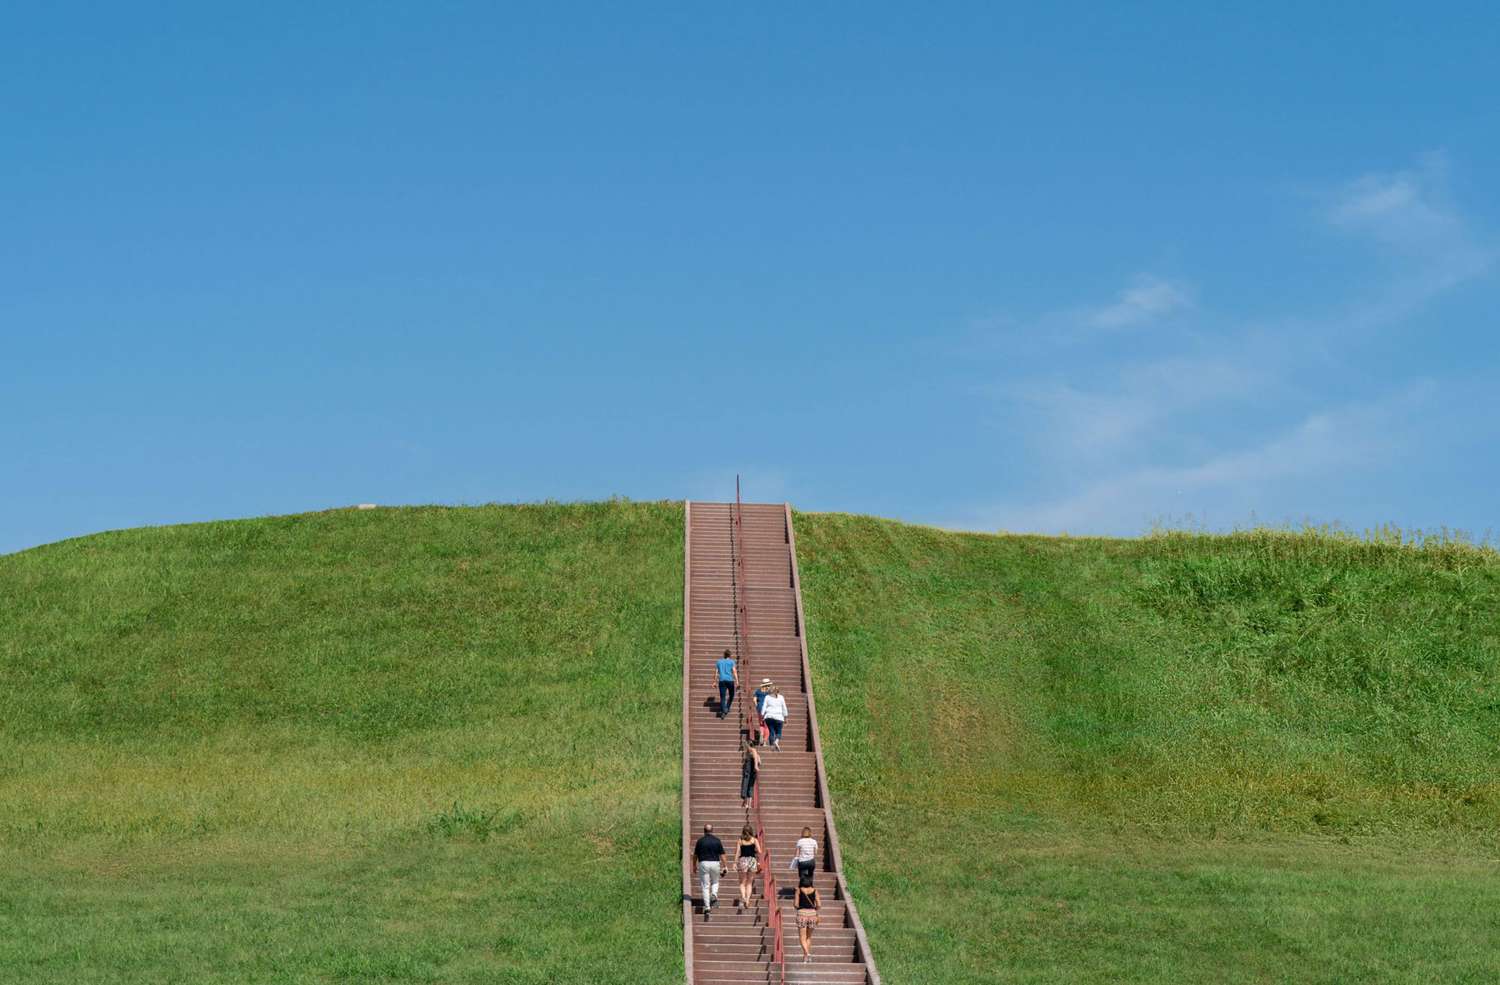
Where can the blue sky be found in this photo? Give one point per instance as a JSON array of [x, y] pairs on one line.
[[1077, 267]]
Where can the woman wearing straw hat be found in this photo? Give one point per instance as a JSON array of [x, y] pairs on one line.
[[761, 692], [760, 707]]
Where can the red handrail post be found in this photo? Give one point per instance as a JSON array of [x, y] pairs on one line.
[[774, 921]]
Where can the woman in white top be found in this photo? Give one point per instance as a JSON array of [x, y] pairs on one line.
[[774, 712], [805, 857]]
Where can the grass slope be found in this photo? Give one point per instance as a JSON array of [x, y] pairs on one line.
[[435, 745], [1258, 758], [409, 745]]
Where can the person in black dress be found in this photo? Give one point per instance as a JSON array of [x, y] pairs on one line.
[[749, 770]]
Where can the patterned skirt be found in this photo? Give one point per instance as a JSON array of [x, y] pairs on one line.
[[807, 918], [748, 863]]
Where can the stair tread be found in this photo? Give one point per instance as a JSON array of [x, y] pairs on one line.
[[753, 567]]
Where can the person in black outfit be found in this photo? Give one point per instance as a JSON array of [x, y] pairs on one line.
[[749, 770], [748, 862], [708, 853], [807, 914]]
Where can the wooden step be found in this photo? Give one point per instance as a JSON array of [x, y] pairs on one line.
[[741, 596]]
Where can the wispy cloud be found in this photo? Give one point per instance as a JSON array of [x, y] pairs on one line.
[[1410, 215], [1406, 210], [1146, 300], [1140, 425], [1346, 439], [1109, 418]]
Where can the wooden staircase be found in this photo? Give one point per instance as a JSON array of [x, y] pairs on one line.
[[736, 945]]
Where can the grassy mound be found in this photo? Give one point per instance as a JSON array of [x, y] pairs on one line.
[[400, 745], [441, 745], [1252, 758]]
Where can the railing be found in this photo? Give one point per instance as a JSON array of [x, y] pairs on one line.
[[687, 737], [739, 583], [833, 855]]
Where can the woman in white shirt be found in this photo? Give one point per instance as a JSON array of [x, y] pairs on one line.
[[805, 857], [774, 712]]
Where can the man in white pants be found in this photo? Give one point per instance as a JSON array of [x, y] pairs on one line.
[[708, 854]]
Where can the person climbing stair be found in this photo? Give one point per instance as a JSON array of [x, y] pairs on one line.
[[774, 712], [748, 864], [708, 854], [807, 914], [749, 770], [729, 679]]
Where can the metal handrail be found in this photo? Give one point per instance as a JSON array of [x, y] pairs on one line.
[[834, 852], [687, 736], [742, 633]]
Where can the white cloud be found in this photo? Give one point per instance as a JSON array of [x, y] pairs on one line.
[[1349, 438], [1409, 214], [1146, 300], [1109, 420], [1121, 430], [1403, 209]]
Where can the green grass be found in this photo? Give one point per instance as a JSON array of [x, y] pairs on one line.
[[1256, 758], [409, 745], [441, 745]]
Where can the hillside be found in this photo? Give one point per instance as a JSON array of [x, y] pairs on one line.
[[442, 745], [1259, 758], [407, 745]]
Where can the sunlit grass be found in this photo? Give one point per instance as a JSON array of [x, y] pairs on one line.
[[441, 745], [397, 745], [1263, 757]]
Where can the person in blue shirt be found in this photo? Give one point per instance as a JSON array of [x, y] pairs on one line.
[[729, 679]]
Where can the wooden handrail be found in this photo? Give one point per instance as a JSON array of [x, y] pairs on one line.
[[833, 851], [687, 741], [742, 622], [749, 718]]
